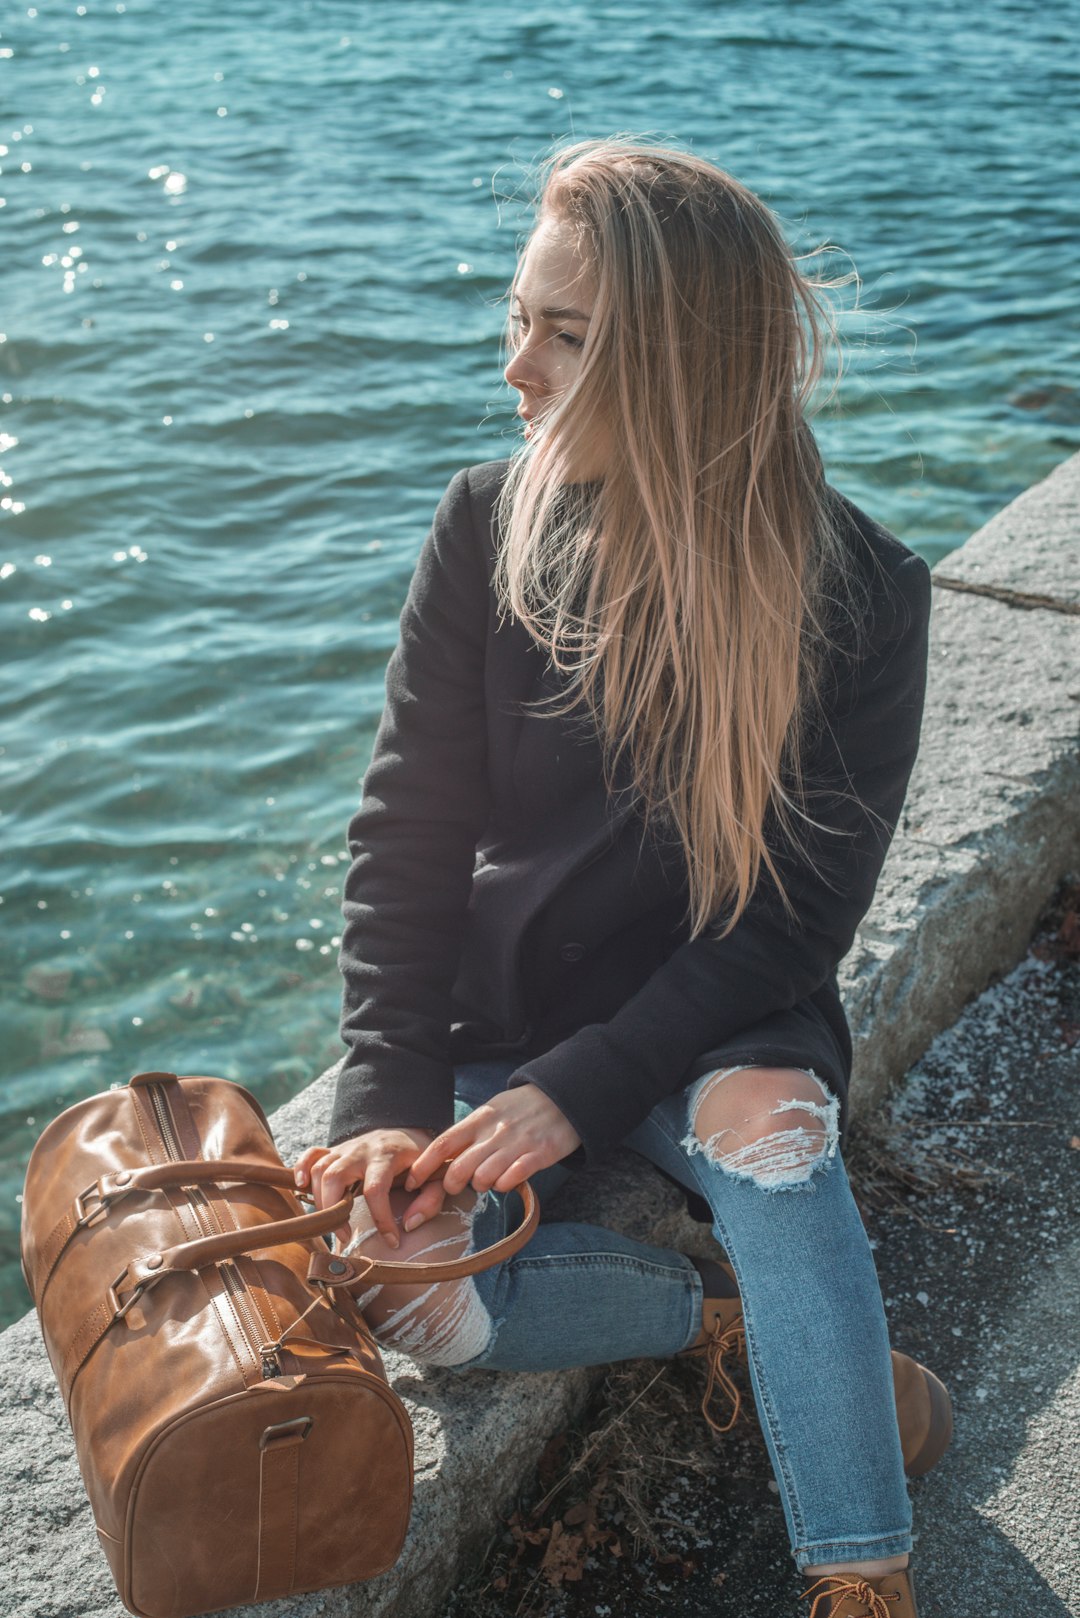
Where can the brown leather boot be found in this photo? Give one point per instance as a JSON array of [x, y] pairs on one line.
[[923, 1407], [846, 1595], [721, 1335], [923, 1414]]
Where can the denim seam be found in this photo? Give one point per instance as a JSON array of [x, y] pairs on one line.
[[785, 1479], [872, 1548], [598, 1261], [698, 1161]]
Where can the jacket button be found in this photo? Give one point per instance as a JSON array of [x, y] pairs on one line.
[[572, 952]]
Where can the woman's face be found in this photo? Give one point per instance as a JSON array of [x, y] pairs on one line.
[[551, 311]]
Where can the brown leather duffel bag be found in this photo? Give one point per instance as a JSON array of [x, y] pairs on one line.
[[235, 1429]]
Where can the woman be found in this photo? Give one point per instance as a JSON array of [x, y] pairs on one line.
[[647, 735]]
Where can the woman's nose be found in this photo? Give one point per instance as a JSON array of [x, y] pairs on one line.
[[525, 369]]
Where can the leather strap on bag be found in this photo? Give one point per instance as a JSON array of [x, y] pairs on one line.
[[100, 1195], [279, 1502], [143, 1273]]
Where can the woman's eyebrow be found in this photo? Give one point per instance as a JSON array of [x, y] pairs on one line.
[[555, 314]]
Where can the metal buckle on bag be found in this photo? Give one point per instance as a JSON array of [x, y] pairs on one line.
[[82, 1218], [104, 1203], [121, 1309]]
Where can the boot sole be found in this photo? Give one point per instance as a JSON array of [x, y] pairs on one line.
[[939, 1437]]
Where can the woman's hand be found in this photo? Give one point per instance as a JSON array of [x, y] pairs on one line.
[[371, 1161], [515, 1134]]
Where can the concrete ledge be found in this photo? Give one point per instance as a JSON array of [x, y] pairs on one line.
[[1011, 554], [991, 819], [990, 824]]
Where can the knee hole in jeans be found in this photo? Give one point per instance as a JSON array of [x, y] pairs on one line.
[[774, 1126], [438, 1322]]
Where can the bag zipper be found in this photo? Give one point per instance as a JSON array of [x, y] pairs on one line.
[[252, 1325], [163, 1116]]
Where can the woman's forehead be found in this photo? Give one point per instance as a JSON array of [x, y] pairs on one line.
[[553, 272]]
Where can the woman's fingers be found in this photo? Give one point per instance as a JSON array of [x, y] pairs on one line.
[[424, 1206], [450, 1143], [305, 1162], [480, 1154], [331, 1180], [377, 1183], [473, 1165], [520, 1169]]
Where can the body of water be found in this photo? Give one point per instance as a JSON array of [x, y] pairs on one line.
[[250, 264]]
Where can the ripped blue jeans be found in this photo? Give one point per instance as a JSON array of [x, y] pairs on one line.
[[580, 1294]]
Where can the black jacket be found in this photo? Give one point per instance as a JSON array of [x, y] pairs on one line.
[[501, 902]]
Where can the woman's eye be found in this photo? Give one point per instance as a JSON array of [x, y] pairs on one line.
[[521, 326]]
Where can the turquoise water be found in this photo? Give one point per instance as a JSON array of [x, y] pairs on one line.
[[250, 258]]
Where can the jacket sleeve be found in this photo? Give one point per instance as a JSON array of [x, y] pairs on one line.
[[607, 1077], [413, 842]]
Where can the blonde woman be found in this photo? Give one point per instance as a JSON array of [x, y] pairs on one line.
[[648, 730]]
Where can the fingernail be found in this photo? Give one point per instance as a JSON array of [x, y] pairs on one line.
[[299, 1176], [393, 1239], [410, 1183], [414, 1220]]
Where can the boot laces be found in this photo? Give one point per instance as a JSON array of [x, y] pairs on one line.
[[729, 1340], [842, 1586]]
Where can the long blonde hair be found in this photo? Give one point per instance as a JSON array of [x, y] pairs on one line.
[[686, 594]]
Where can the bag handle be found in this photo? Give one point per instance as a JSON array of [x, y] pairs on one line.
[[340, 1270], [157, 1176], [230, 1244], [97, 1198]]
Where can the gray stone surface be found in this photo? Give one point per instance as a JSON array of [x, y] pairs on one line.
[[992, 819], [990, 824], [985, 1286], [1032, 547]]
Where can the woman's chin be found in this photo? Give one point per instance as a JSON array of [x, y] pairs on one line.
[[583, 468]]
